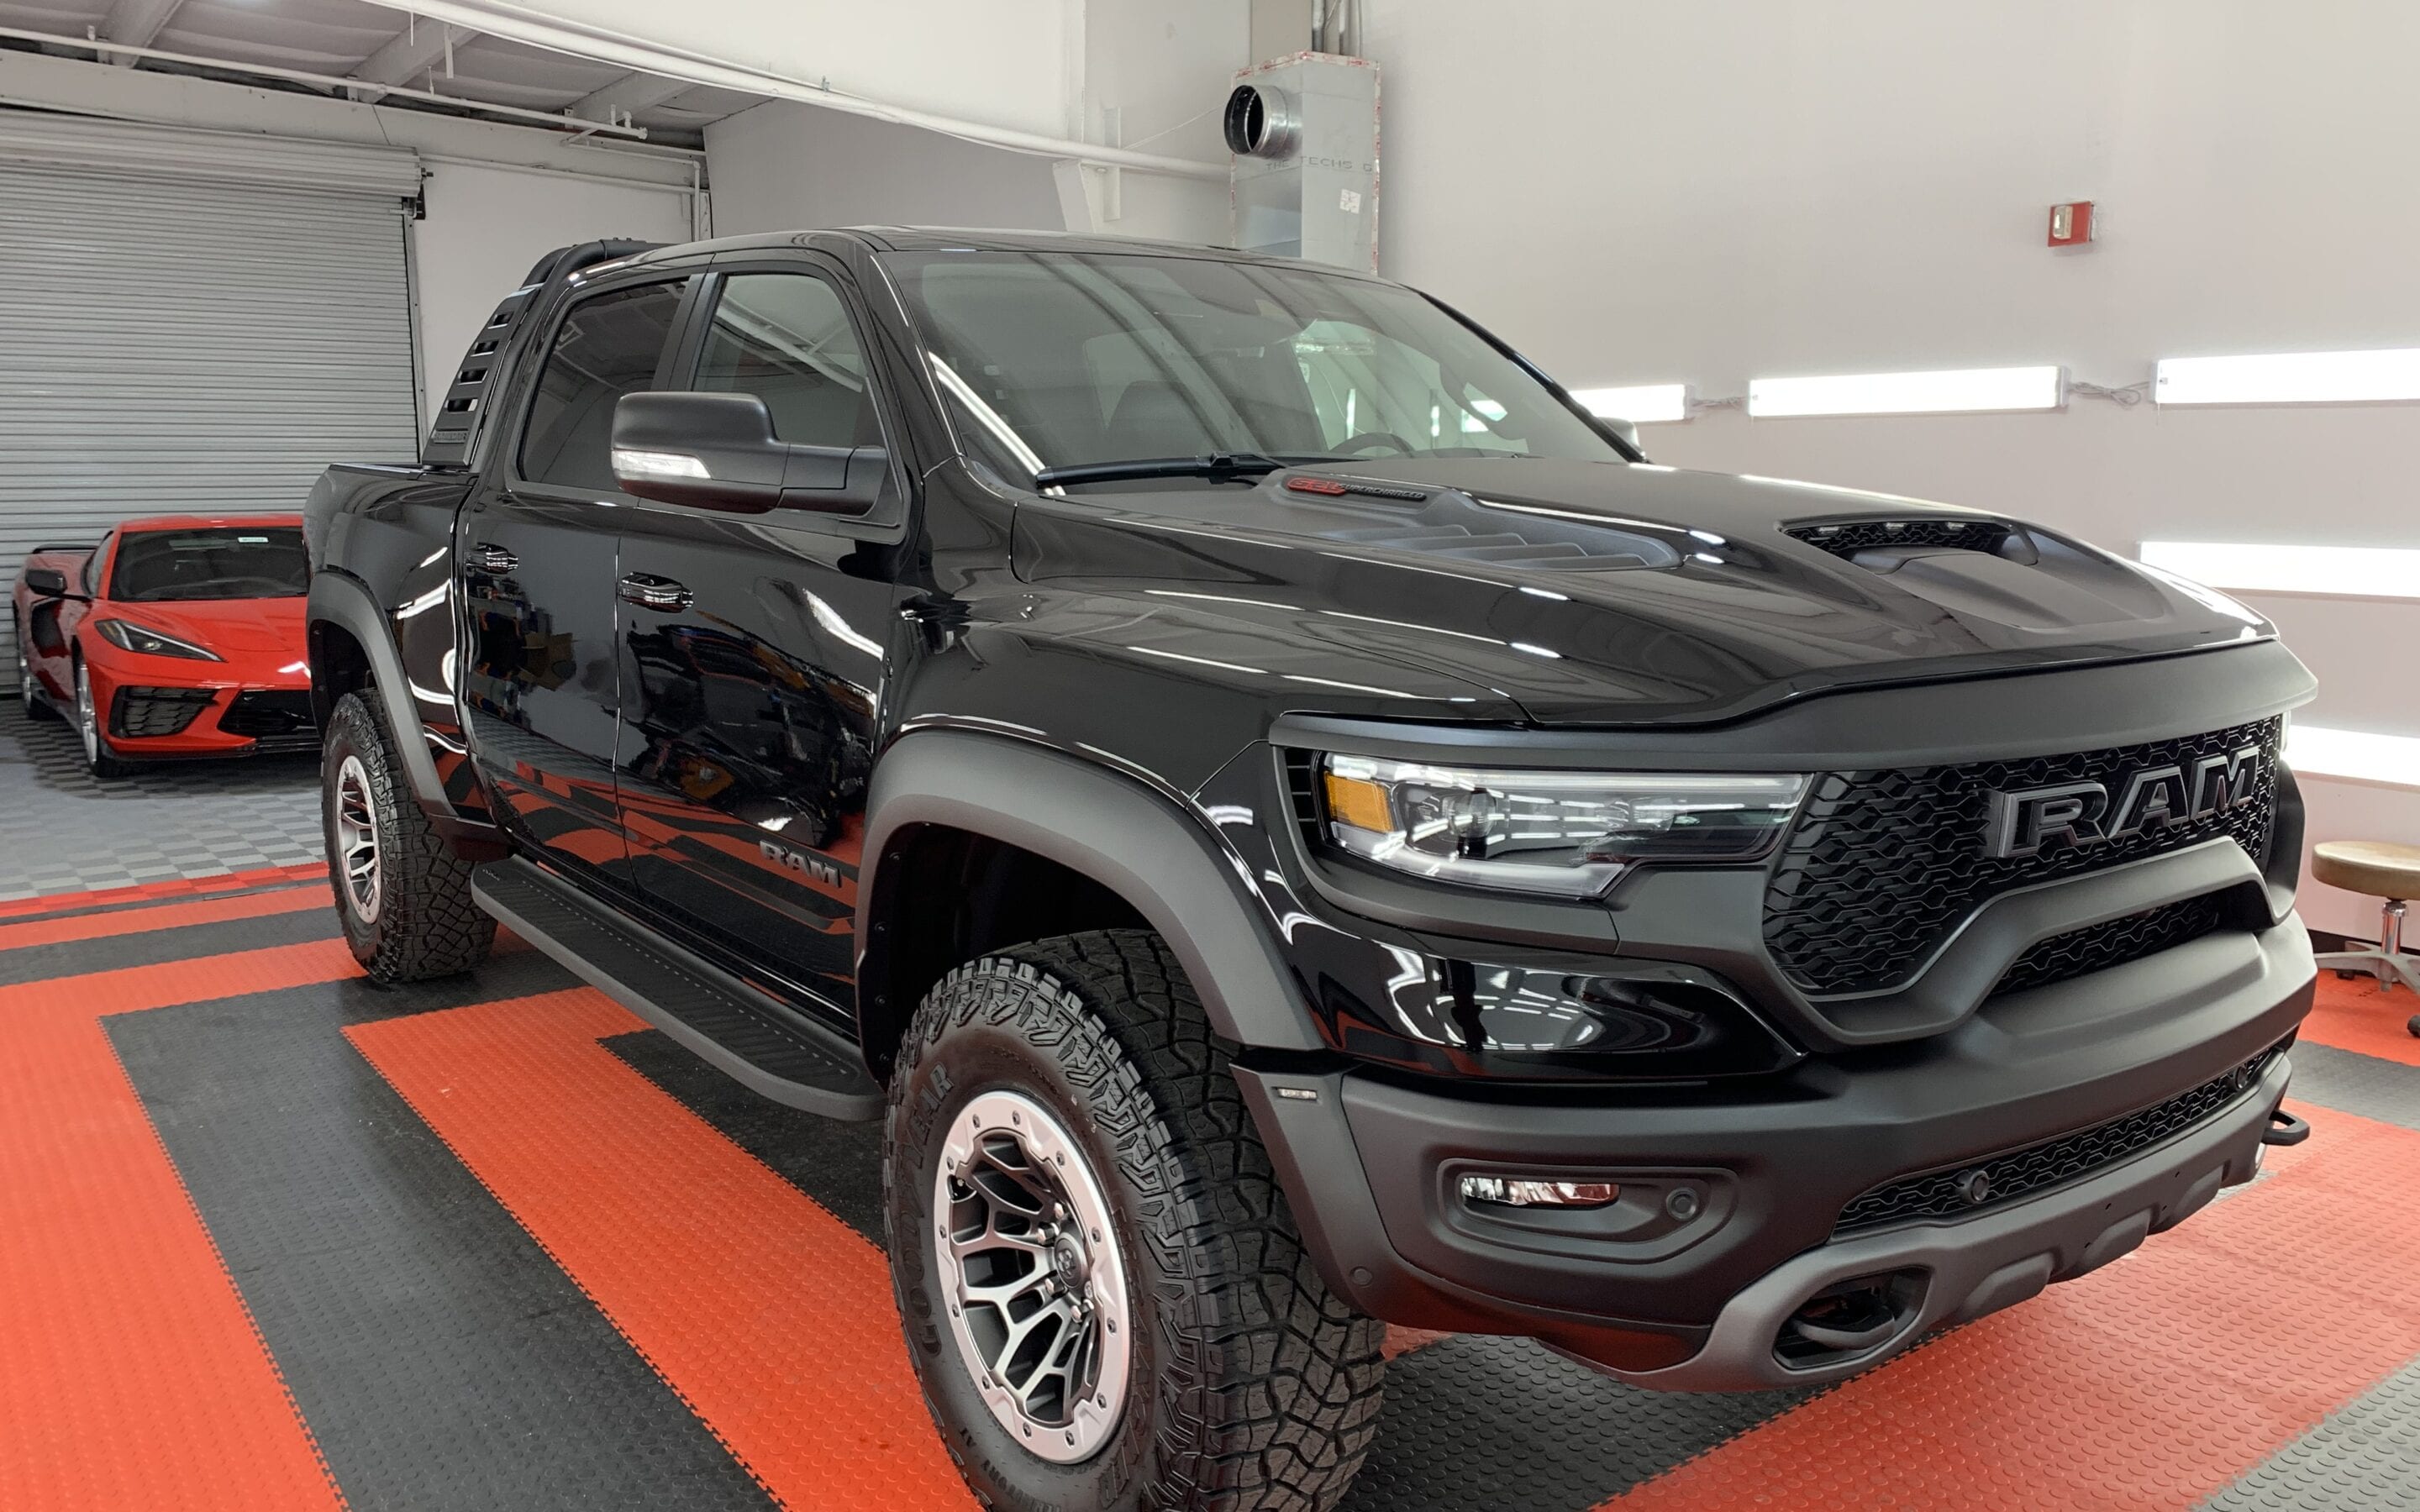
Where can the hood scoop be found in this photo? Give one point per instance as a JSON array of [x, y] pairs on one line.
[[1879, 543]]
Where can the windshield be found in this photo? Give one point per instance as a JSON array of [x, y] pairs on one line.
[[1054, 360], [234, 561]]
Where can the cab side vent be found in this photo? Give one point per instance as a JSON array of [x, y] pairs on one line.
[[449, 438], [454, 430]]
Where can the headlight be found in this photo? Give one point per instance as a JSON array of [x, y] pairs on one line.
[[1565, 833], [128, 635]]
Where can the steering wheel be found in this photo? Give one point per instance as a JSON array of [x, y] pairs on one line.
[[1355, 445]]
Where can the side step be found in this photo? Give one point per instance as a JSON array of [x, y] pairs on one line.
[[734, 1028]]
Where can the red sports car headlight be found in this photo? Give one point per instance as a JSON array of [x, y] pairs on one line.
[[128, 635]]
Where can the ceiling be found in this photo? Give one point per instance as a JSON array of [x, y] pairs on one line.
[[376, 45]]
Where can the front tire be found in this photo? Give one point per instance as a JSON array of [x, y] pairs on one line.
[[1221, 1374], [403, 895], [97, 758]]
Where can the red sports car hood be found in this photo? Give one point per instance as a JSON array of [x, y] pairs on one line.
[[233, 627]]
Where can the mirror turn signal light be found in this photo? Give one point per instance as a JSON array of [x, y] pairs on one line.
[[1508, 1192]]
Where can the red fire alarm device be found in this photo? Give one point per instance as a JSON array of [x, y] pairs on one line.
[[2071, 224]]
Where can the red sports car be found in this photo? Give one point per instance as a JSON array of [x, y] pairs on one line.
[[176, 637]]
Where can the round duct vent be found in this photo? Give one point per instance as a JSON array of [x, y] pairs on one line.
[[1262, 122]]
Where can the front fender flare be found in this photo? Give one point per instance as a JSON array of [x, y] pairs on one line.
[[343, 602], [1113, 831]]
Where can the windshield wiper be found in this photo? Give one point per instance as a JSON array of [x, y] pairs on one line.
[[1213, 465]]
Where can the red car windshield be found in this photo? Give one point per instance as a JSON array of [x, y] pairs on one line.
[[233, 562]]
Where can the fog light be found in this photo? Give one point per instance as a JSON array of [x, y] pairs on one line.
[[1518, 1193]]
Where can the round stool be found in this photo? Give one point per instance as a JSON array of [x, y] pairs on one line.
[[2382, 870]]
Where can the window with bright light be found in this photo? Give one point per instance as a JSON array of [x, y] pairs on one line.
[[1110, 358]]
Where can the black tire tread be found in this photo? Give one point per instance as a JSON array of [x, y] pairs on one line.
[[1279, 1380], [428, 924]]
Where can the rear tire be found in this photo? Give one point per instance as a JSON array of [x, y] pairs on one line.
[[1244, 1384], [403, 895], [30, 687], [97, 759]]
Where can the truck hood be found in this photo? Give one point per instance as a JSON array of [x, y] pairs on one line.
[[1618, 593]]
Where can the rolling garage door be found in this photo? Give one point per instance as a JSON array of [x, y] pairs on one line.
[[190, 322]]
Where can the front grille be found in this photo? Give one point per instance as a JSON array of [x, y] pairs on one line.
[[2022, 1172], [2115, 943], [1849, 537], [268, 714], [1882, 866], [144, 712]]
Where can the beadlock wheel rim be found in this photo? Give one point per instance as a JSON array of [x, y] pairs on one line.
[[357, 839], [1035, 1289]]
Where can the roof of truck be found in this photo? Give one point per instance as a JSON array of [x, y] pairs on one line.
[[960, 239]]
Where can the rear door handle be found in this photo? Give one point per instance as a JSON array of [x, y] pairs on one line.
[[493, 559], [648, 591]]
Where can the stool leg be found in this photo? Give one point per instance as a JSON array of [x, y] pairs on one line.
[[2390, 946]]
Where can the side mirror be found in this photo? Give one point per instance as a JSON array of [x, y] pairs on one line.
[[46, 583], [1628, 431], [718, 451]]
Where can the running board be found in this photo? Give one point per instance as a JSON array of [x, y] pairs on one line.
[[740, 1031]]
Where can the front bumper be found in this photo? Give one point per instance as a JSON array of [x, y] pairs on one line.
[[149, 713], [1371, 1165], [1981, 1264]]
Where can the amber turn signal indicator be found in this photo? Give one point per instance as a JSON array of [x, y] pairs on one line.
[[1352, 800]]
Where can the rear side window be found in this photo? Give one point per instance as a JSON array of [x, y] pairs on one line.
[[786, 338], [607, 347], [162, 567]]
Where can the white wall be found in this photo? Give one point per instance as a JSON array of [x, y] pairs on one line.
[[781, 166], [1002, 62], [486, 225], [1636, 190], [1165, 67], [1147, 73]]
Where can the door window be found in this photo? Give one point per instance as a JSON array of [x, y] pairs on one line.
[[607, 347], [786, 338]]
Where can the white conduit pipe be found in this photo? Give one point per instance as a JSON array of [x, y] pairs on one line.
[[325, 81], [502, 18]]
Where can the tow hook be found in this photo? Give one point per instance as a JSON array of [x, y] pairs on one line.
[[2284, 1128]]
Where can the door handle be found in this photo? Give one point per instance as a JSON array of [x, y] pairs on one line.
[[493, 559], [648, 591]]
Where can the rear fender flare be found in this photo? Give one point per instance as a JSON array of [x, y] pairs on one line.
[[1111, 830]]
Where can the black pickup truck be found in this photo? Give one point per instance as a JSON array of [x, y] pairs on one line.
[[1297, 825]]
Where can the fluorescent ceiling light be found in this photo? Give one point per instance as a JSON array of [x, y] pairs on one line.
[[2358, 754], [1643, 404], [1908, 393], [2346, 571], [2290, 377]]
